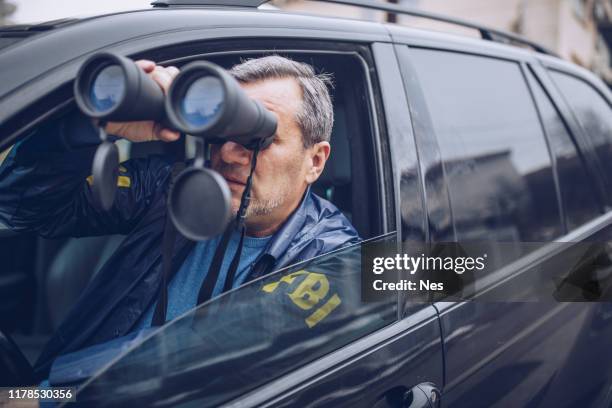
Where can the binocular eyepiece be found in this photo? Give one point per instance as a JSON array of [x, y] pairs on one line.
[[205, 101]]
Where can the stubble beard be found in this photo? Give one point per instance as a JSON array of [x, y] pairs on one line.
[[263, 208], [259, 207]]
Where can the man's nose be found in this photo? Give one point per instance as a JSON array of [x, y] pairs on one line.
[[234, 153]]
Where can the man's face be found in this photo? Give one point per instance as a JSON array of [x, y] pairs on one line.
[[284, 169]]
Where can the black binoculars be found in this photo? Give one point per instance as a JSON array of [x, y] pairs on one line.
[[204, 100]]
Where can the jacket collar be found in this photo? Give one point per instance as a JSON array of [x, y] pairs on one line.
[[281, 240]]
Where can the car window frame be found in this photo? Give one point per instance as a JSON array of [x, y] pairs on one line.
[[534, 79], [378, 125], [415, 95], [417, 101], [537, 64], [553, 158], [60, 99], [540, 68]]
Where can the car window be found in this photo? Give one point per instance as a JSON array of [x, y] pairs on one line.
[[493, 150], [593, 112], [577, 191], [249, 336]]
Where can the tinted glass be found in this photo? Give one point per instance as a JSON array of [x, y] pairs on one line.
[[247, 337], [202, 101], [593, 112], [107, 88], [492, 147], [577, 191]]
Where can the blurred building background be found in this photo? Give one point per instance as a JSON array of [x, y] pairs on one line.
[[578, 30], [6, 10]]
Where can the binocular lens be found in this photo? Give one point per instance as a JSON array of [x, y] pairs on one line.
[[203, 101], [107, 88]]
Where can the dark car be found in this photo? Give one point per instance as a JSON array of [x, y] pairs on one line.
[[437, 138]]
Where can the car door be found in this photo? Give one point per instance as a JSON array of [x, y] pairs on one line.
[[514, 184], [370, 356], [400, 364], [299, 337]]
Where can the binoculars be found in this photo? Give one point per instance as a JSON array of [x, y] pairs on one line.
[[204, 100]]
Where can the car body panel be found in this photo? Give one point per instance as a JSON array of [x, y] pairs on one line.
[[507, 353], [61, 51], [521, 353], [445, 41], [400, 356]]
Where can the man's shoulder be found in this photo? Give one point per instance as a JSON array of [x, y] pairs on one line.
[[322, 217], [323, 228]]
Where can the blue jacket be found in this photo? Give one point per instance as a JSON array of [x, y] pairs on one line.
[[43, 189]]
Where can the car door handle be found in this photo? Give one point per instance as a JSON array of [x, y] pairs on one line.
[[423, 395]]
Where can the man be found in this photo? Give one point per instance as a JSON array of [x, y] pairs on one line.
[[43, 189]]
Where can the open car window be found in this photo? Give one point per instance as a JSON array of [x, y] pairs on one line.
[[52, 272], [247, 337]]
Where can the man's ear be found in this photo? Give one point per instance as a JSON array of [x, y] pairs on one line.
[[318, 153]]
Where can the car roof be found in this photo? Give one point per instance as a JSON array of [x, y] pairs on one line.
[[128, 23], [57, 45], [69, 41]]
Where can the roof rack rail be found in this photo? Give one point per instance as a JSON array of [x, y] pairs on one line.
[[225, 3], [490, 34], [486, 33]]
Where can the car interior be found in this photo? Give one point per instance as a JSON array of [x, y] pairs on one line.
[[42, 278]]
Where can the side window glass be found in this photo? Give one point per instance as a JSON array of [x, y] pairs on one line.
[[493, 150], [576, 187], [593, 112], [247, 337]]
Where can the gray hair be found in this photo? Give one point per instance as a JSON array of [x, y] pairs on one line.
[[316, 116]]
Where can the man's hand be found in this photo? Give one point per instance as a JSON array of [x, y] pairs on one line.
[[146, 131]]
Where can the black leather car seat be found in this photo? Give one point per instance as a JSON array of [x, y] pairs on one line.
[[334, 184]]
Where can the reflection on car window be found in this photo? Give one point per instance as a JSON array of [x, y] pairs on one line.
[[577, 190], [592, 111], [493, 149], [249, 336], [4, 154]]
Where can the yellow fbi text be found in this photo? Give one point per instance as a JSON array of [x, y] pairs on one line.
[[311, 293], [122, 181]]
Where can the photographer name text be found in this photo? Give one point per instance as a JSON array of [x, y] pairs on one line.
[[404, 263]]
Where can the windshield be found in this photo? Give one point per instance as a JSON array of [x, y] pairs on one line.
[[247, 337]]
